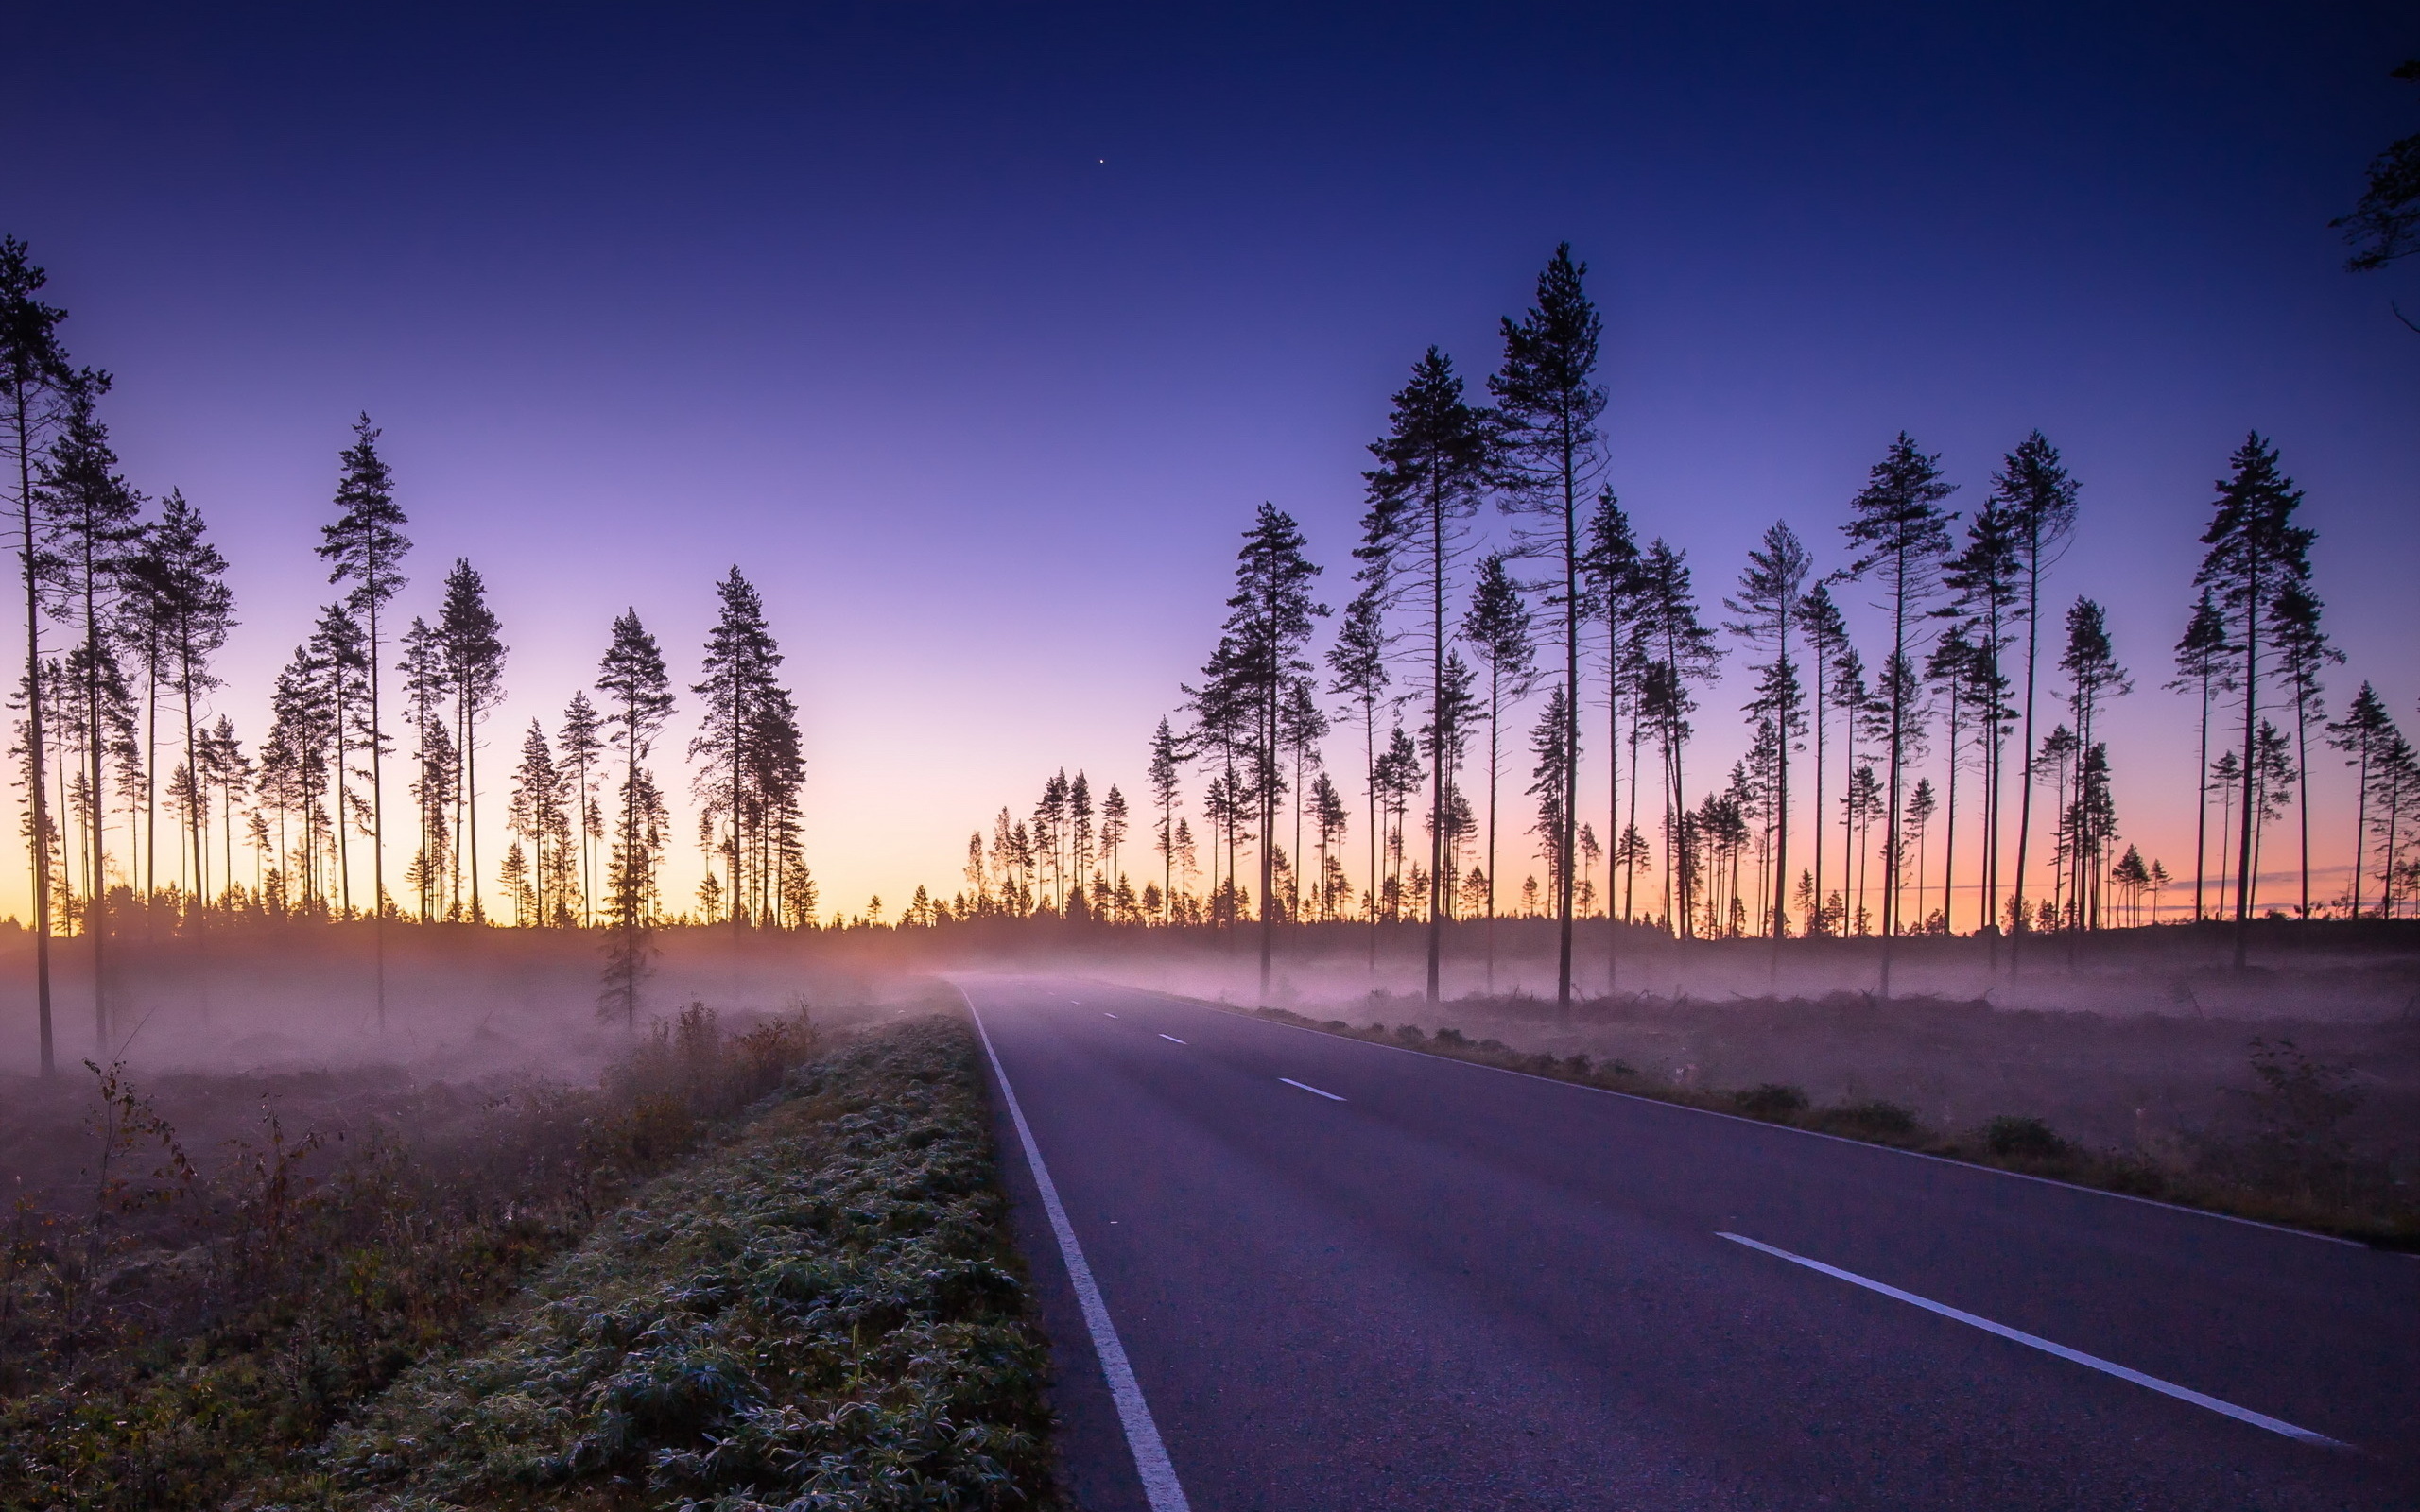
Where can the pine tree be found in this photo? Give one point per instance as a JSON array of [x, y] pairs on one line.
[[578, 745], [1914, 827], [1358, 661], [2384, 228], [1612, 567], [1432, 463], [748, 744], [1551, 777], [2303, 653], [1986, 580], [1549, 453], [180, 578], [2365, 734], [1260, 654], [364, 546], [294, 767], [1498, 626], [1168, 752], [2256, 552], [472, 652], [1114, 819], [2033, 486], [1902, 535], [2203, 662], [540, 813], [1330, 819], [36, 389], [638, 699], [1827, 644], [94, 527], [1678, 650], [437, 765], [340, 652], [1772, 589], [2092, 676]]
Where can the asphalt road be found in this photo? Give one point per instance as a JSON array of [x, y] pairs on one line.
[[1445, 1286]]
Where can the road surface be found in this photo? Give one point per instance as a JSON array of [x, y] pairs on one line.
[[1322, 1274]]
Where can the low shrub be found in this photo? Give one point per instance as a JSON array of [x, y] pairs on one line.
[[1774, 1100], [2024, 1139], [1886, 1123]]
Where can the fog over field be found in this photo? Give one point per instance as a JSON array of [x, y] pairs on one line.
[[2134, 1040]]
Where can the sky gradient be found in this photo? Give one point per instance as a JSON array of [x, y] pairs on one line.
[[974, 332]]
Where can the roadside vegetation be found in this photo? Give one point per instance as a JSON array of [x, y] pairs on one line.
[[825, 1311], [187, 1327], [2282, 1156]]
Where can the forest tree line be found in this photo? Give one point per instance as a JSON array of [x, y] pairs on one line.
[[144, 811], [1951, 775]]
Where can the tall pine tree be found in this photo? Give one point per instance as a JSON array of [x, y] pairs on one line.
[[1901, 533], [1432, 463], [638, 699], [1548, 454], [2256, 554]]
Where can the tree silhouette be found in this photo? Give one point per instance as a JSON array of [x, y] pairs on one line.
[[540, 813], [577, 744], [1358, 659], [1432, 464], [1549, 453], [1772, 591], [473, 652], [1901, 535], [1550, 778], [179, 581], [93, 523], [1260, 655], [1612, 568], [2255, 553], [37, 390], [1827, 646], [1499, 629], [1168, 752], [2302, 651], [1986, 581], [1678, 650], [2092, 676], [364, 546], [638, 699], [340, 651], [2367, 736], [2385, 227], [2203, 660], [2033, 486], [749, 746]]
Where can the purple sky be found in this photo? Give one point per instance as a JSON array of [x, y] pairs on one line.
[[974, 332]]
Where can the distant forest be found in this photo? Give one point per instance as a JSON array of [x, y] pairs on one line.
[[1949, 778]]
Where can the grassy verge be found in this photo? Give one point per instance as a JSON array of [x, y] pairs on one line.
[[2286, 1169], [191, 1324], [824, 1313]]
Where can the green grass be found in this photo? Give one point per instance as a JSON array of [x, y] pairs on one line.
[[826, 1312], [2289, 1172]]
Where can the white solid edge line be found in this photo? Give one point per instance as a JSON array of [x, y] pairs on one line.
[[1308, 1087], [2168, 1388], [1160, 1487], [1785, 1128], [1109, 1015], [1171, 1038]]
